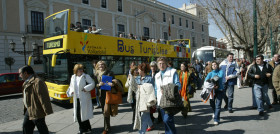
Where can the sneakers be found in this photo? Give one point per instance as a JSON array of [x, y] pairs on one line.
[[216, 123], [261, 113], [150, 128], [97, 107], [230, 111]]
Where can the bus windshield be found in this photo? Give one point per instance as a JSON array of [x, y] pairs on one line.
[[204, 55], [58, 74], [56, 25]]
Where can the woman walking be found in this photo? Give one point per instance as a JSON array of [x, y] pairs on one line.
[[130, 84], [183, 77], [216, 102], [101, 69], [144, 100], [80, 86]]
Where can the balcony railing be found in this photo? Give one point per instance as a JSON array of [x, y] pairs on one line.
[[33, 29]]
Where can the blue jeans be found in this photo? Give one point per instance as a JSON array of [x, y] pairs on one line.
[[216, 105], [169, 124], [253, 97], [261, 96], [145, 122], [228, 99], [97, 97]]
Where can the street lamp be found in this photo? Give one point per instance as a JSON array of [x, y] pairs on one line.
[[24, 52], [255, 29], [272, 45]]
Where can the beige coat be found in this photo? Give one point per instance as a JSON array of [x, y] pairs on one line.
[[37, 98], [276, 79]]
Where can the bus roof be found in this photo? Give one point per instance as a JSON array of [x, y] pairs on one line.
[[210, 48]]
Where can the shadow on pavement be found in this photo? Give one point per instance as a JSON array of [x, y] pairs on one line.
[[11, 97]]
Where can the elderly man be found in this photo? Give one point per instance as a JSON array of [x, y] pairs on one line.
[[36, 101], [274, 62]]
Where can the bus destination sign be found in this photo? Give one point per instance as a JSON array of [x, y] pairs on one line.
[[53, 44]]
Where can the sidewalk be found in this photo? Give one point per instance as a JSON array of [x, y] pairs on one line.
[[199, 121]]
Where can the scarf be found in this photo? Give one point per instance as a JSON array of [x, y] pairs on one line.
[[184, 92]]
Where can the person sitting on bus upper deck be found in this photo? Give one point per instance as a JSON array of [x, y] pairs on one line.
[[130, 36], [180, 44], [95, 30], [101, 69], [78, 27], [72, 27], [80, 86], [89, 30], [121, 35]]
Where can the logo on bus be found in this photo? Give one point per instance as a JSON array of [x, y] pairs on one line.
[[84, 43]]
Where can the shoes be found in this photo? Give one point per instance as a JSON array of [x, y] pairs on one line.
[[216, 123], [150, 128], [274, 103], [226, 106], [97, 107], [230, 111], [261, 113], [105, 132], [253, 107], [270, 107]]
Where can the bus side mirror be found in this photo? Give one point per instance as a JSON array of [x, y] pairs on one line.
[[54, 60], [29, 60]]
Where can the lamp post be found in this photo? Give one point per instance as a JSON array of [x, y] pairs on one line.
[[24, 52], [255, 30], [272, 45]]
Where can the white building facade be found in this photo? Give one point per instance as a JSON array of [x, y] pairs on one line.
[[142, 18]]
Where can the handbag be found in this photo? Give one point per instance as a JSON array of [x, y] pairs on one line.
[[113, 98]]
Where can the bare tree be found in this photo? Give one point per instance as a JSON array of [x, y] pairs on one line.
[[235, 20]]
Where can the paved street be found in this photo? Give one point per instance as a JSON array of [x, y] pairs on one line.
[[199, 121], [11, 108]]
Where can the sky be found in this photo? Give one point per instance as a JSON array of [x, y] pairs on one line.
[[213, 29]]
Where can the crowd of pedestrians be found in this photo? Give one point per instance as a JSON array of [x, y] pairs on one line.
[[153, 88]]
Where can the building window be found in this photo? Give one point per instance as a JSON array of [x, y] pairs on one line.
[[202, 28], [203, 40], [121, 30], [86, 23], [181, 36], [37, 22], [180, 22], [172, 19], [192, 25], [146, 32], [193, 42], [120, 5], [164, 18], [85, 2], [165, 35], [104, 3], [187, 24]]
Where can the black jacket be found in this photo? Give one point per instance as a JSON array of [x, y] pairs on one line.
[[255, 70]]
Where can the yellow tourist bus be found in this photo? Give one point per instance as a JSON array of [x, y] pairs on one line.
[[63, 48]]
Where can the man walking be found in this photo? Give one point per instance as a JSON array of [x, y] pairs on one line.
[[260, 74], [274, 62], [231, 71], [199, 70], [36, 101]]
